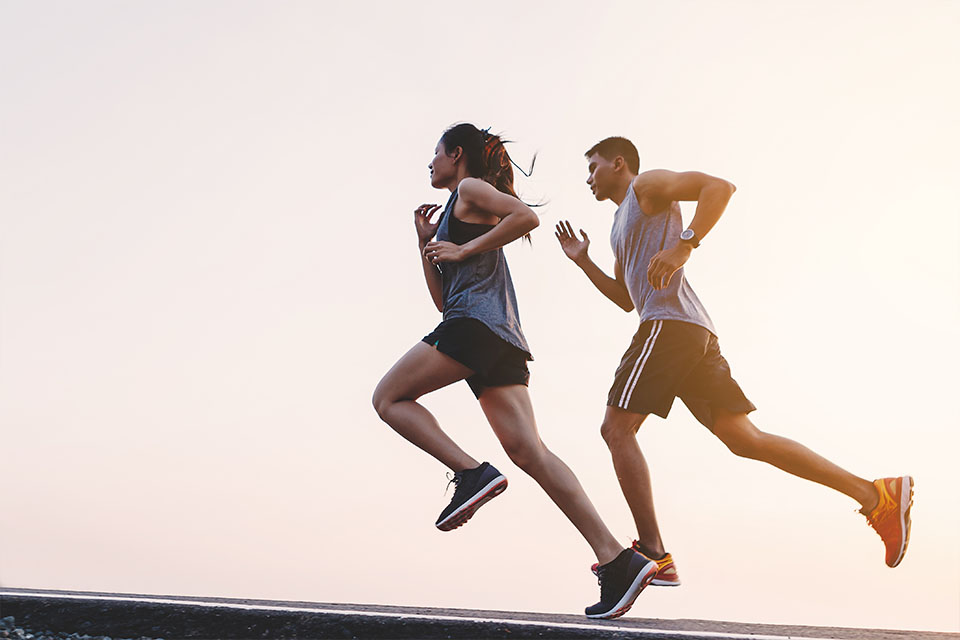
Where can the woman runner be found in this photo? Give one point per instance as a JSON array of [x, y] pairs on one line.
[[480, 341]]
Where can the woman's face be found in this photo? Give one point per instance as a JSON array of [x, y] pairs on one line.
[[443, 167]]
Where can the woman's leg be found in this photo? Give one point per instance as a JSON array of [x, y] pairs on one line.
[[421, 370], [510, 413]]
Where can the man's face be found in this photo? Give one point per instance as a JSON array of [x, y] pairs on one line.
[[602, 176]]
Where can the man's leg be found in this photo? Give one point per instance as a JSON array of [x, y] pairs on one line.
[[744, 439], [886, 502], [619, 431], [715, 398], [660, 355]]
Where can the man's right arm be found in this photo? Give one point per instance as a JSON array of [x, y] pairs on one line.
[[613, 288]]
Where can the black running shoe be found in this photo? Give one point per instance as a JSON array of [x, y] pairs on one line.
[[474, 488], [621, 581]]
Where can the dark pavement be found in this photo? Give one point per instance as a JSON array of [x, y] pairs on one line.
[[173, 617]]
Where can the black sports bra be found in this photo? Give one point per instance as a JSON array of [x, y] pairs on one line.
[[463, 232]]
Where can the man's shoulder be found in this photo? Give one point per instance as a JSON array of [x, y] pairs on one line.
[[651, 178], [648, 189]]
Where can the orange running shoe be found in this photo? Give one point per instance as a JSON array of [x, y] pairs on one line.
[[891, 517], [666, 573], [666, 570]]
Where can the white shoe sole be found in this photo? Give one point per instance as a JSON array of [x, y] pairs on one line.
[[465, 511], [623, 605], [906, 501]]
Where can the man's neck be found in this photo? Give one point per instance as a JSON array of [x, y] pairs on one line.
[[623, 190]]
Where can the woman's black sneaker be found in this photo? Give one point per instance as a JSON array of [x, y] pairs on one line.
[[474, 488], [621, 581]]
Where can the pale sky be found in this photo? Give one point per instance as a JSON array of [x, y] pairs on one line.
[[207, 261]]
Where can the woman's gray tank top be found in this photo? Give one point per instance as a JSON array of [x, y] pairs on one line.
[[480, 287], [635, 238]]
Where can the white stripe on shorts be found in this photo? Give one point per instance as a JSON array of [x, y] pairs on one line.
[[641, 362]]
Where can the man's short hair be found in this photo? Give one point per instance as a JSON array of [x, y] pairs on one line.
[[610, 148]]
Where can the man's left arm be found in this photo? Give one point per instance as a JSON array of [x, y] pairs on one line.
[[664, 187]]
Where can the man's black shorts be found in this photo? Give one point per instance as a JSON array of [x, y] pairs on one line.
[[494, 361], [669, 359]]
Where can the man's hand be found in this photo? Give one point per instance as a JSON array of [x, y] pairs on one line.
[[575, 249], [666, 263], [437, 252], [421, 220]]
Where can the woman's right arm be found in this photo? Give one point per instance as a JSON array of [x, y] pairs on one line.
[[425, 232]]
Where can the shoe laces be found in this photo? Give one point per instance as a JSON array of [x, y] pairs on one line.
[[601, 571], [879, 518], [870, 521], [454, 479]]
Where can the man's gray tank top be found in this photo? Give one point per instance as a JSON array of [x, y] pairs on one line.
[[479, 287], [636, 238]]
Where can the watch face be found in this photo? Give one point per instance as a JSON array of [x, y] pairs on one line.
[[686, 234]]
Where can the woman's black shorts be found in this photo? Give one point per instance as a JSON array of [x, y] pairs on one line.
[[494, 361]]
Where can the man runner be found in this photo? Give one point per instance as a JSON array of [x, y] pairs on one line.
[[675, 352]]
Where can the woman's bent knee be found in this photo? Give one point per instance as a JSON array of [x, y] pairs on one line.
[[382, 399], [379, 403]]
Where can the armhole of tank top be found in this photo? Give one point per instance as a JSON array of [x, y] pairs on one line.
[[448, 210], [666, 222], [453, 206], [666, 226]]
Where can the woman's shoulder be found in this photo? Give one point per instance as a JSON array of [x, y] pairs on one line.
[[471, 189]]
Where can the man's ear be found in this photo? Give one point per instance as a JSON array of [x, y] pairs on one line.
[[618, 163]]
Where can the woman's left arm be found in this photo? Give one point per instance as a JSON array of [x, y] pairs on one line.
[[516, 221]]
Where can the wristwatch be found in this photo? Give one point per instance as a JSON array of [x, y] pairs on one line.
[[688, 236]]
